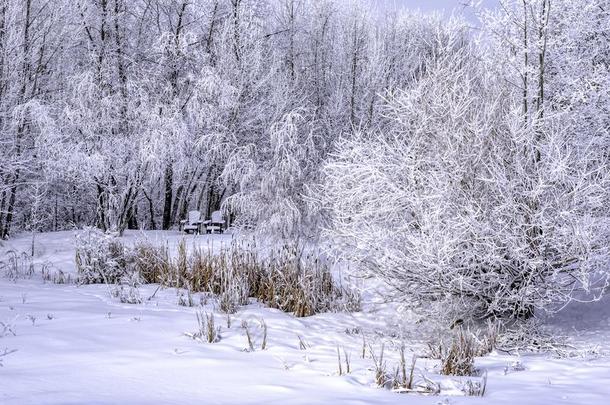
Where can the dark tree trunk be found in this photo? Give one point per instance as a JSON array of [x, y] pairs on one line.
[[100, 219], [151, 210], [167, 205], [9, 212], [177, 199], [132, 218], [2, 203]]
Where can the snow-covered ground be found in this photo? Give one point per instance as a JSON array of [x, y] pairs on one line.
[[76, 344]]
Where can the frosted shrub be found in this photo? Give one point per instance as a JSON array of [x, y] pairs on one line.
[[100, 257], [465, 209]]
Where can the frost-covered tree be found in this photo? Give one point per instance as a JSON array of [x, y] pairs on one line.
[[271, 181], [31, 36], [100, 112]]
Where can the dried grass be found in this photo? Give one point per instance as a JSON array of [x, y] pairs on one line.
[[284, 280]]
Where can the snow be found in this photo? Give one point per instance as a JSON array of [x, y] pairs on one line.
[[77, 344]]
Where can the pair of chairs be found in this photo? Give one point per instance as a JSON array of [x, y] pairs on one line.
[[193, 223]]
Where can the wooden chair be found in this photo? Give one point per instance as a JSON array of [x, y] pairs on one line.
[[215, 223], [192, 223]]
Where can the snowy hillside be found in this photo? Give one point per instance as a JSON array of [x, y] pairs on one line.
[[78, 344]]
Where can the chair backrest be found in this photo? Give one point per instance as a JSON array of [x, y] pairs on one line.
[[217, 217], [194, 216]]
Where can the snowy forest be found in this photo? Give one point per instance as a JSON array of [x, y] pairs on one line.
[[454, 170]]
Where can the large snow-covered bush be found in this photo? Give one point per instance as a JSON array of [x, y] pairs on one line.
[[465, 208]]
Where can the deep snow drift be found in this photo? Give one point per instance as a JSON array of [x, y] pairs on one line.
[[77, 344]]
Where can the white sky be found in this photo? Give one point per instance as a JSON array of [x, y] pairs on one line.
[[430, 5]]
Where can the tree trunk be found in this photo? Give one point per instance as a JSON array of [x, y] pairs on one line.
[[9, 212], [167, 205], [151, 210]]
